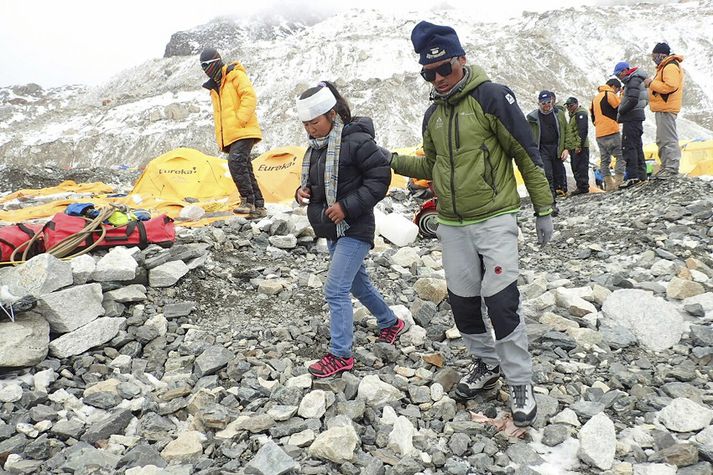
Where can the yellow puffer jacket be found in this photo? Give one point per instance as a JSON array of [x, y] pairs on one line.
[[603, 111], [234, 103], [666, 90]]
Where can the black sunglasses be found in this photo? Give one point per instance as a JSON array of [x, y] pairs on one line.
[[443, 70]]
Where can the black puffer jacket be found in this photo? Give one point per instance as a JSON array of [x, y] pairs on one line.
[[634, 98], [364, 177]]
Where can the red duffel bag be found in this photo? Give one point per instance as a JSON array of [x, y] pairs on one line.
[[12, 237], [159, 230]]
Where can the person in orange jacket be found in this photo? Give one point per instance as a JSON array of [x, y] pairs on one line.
[[604, 112], [665, 97], [236, 126]]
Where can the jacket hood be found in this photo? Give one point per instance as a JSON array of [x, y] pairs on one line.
[[605, 88], [674, 57], [359, 124], [476, 78]]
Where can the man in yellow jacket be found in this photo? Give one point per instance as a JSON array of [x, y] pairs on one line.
[[603, 112], [236, 126], [665, 97]]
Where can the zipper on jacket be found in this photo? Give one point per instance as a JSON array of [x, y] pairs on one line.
[[220, 114], [453, 165], [489, 164], [457, 133]]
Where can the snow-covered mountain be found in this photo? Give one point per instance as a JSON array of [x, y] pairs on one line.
[[160, 105]]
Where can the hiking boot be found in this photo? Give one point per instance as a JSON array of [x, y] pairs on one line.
[[391, 334], [561, 193], [258, 212], [522, 404], [609, 183], [578, 192], [664, 174], [629, 183], [330, 365], [478, 379], [244, 207]]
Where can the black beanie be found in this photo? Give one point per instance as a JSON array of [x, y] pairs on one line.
[[209, 53], [662, 48], [435, 43]]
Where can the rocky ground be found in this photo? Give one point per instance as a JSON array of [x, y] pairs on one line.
[[193, 359]]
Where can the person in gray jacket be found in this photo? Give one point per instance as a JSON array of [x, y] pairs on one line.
[[631, 115]]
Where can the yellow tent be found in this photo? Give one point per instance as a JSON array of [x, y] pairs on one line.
[[185, 173], [696, 156], [278, 173]]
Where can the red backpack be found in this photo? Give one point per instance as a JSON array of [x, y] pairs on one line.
[[159, 230], [12, 237]]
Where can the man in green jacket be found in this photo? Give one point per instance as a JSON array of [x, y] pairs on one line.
[[579, 154], [549, 129], [471, 134]]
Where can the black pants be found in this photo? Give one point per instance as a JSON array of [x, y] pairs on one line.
[[241, 169], [555, 176], [559, 174], [580, 168], [632, 150]]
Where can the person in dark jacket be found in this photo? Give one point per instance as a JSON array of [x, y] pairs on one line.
[[579, 129], [631, 115], [548, 124], [471, 134], [344, 174]]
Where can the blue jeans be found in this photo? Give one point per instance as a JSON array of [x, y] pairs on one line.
[[348, 274]]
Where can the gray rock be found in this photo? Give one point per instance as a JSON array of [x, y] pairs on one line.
[[40, 275], [24, 342], [655, 322], [680, 455], [82, 268], [129, 294], [141, 455], [68, 428], [597, 442], [114, 423], [117, 265], [92, 334], [166, 275], [271, 460], [102, 400], [87, 458], [212, 360], [555, 434], [68, 309], [179, 309], [521, 453], [684, 415], [459, 444]]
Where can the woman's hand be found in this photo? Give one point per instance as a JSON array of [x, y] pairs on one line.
[[303, 195], [335, 213]]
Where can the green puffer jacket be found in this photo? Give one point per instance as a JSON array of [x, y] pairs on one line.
[[567, 140], [470, 139], [579, 128]]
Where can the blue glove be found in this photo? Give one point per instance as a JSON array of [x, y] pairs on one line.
[[544, 228]]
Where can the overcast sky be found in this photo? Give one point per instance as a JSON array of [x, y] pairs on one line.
[[56, 42]]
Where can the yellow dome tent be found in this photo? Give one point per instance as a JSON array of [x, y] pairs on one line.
[[696, 157]]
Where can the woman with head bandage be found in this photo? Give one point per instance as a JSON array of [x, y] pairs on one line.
[[344, 174]]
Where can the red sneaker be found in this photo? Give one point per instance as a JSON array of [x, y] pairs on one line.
[[330, 365], [391, 334]]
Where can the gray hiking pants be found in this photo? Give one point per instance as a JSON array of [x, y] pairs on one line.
[[610, 145], [667, 141], [481, 265]]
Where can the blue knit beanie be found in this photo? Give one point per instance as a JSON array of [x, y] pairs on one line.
[[435, 42]]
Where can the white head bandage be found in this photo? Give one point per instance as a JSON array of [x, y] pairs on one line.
[[315, 105]]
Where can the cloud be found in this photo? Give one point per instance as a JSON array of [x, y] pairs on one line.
[[53, 43]]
